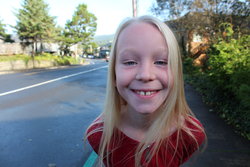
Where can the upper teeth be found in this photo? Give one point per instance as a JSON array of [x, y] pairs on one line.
[[147, 93]]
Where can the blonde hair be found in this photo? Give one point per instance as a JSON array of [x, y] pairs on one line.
[[175, 106]]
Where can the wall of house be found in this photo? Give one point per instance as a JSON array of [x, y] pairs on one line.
[[18, 48], [197, 47], [13, 48]]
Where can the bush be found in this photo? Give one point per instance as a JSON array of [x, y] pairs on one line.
[[14, 57], [225, 83], [57, 60]]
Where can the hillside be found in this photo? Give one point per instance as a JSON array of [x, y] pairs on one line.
[[103, 39]]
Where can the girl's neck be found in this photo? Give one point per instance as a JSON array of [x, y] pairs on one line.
[[135, 124]]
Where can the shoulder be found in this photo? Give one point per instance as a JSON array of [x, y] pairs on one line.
[[191, 129], [94, 134], [193, 119], [192, 136], [194, 127]]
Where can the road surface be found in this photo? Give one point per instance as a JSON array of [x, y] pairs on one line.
[[44, 113]]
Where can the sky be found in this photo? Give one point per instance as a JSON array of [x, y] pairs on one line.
[[109, 13]]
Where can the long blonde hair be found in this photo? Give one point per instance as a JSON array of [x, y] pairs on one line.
[[174, 109]]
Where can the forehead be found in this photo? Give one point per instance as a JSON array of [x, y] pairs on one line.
[[141, 35], [139, 25], [139, 29]]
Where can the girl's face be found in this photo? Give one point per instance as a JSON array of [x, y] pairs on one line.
[[141, 67]]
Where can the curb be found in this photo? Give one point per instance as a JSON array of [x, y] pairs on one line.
[[2, 72]]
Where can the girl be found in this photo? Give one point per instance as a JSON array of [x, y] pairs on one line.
[[146, 120]]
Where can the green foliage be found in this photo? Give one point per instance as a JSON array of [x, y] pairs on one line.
[[204, 16], [58, 60], [188, 67], [231, 68], [174, 9], [80, 29], [2, 29], [13, 57], [34, 23], [225, 84], [3, 35]]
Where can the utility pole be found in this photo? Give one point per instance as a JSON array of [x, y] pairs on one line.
[[134, 5]]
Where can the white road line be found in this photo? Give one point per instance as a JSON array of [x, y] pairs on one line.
[[49, 81]]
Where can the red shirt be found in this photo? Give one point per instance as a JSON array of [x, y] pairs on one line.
[[123, 154]]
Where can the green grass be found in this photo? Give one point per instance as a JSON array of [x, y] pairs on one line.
[[58, 60], [13, 57]]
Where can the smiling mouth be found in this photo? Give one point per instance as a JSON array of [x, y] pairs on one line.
[[145, 93]]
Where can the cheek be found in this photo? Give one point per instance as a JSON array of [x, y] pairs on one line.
[[166, 79], [121, 87], [170, 79], [163, 76], [121, 80], [123, 77]]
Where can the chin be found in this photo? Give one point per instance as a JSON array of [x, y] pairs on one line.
[[145, 111]]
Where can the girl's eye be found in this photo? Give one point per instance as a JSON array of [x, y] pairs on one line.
[[130, 63], [161, 62]]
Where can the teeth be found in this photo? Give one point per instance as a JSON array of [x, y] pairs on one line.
[[148, 93], [142, 93]]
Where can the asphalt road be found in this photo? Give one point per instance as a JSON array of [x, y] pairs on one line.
[[44, 114]]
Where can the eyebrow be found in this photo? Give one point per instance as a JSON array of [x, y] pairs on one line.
[[131, 49], [125, 51]]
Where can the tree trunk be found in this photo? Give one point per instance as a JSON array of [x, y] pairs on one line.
[[36, 47], [33, 49]]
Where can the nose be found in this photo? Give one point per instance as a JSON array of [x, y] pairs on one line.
[[145, 72]]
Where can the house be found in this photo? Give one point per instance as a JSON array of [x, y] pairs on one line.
[[194, 39], [19, 47]]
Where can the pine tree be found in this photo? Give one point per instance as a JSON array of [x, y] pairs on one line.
[[80, 29], [34, 23], [2, 30], [3, 35]]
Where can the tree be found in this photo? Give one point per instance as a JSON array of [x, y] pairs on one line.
[[34, 23], [207, 14], [203, 17], [174, 9], [80, 29], [2, 31], [3, 35], [170, 9]]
